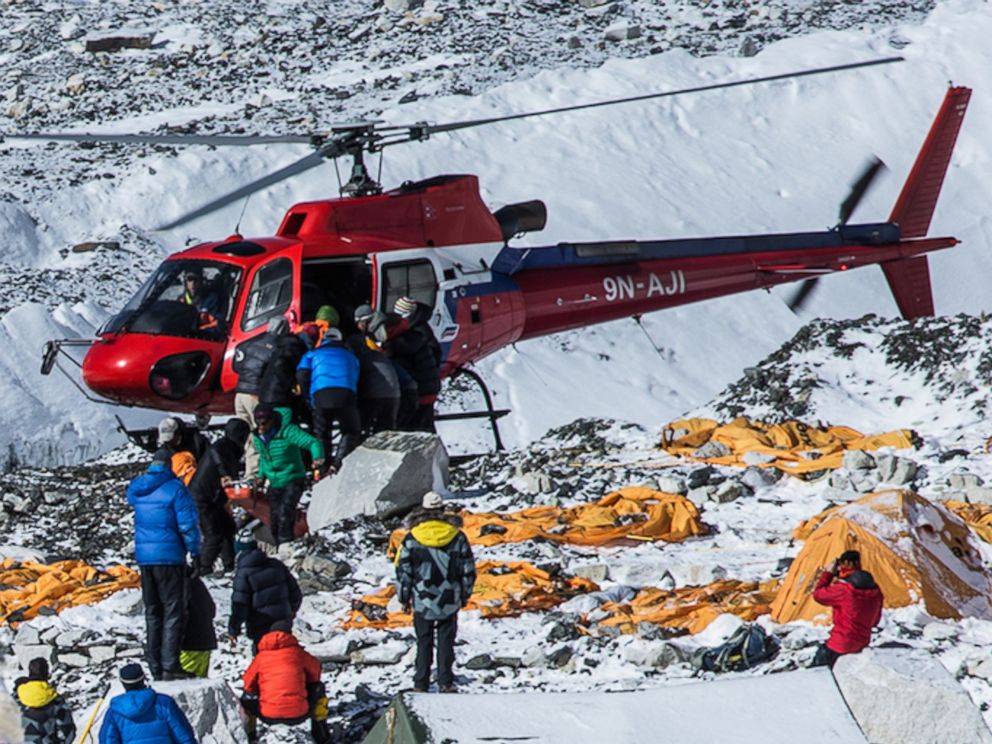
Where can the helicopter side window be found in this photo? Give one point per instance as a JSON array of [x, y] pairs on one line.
[[270, 294], [408, 279]]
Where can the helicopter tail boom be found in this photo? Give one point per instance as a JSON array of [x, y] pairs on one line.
[[909, 278]]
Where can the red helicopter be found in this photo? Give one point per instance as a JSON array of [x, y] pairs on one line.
[[172, 346]]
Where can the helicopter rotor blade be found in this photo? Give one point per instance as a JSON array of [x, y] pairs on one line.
[[858, 189], [802, 295], [303, 164], [425, 130], [226, 140]]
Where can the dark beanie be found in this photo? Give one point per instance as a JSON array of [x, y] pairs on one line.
[[162, 454], [38, 668], [282, 626], [850, 556], [132, 677], [264, 410], [237, 431]]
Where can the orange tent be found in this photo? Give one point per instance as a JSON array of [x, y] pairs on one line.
[[693, 607], [978, 517], [32, 587], [635, 513], [501, 590], [917, 552], [795, 446]]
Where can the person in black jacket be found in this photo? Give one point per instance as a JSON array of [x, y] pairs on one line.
[[45, 717], [265, 592], [214, 472], [412, 345], [199, 638], [250, 360], [279, 378], [378, 386]]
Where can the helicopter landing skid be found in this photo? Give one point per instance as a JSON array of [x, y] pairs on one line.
[[50, 361], [493, 414]]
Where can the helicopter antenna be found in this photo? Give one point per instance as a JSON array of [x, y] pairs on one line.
[[237, 227]]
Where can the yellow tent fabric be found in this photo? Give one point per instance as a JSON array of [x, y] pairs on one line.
[[501, 590], [635, 513], [29, 588], [787, 442], [977, 516], [693, 608], [917, 551]]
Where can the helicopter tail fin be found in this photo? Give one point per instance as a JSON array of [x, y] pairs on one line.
[[909, 278]]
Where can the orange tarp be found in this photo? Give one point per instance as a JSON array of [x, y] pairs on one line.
[[693, 607], [977, 516], [632, 513], [790, 443], [501, 590], [30, 588], [917, 551]]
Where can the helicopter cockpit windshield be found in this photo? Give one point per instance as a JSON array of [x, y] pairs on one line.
[[182, 298]]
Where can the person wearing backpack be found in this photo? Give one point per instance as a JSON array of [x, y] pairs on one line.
[[45, 717], [857, 604], [435, 574]]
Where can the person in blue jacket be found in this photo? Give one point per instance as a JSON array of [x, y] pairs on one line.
[[330, 373], [144, 716], [166, 528]]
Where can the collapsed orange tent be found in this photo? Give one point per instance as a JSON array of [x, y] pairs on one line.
[[501, 590], [917, 552], [977, 516], [34, 587], [793, 444], [635, 513], [692, 607]]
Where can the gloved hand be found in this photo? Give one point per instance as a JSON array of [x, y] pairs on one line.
[[193, 569], [320, 710]]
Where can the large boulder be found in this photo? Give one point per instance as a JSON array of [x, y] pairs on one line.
[[210, 705], [389, 473], [900, 696]]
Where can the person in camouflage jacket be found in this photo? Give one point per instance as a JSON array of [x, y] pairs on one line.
[[45, 717], [435, 573]]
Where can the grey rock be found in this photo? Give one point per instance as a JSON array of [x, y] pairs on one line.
[[665, 655], [70, 638], [482, 661], [755, 477], [598, 572], [25, 652], [532, 657], [100, 654], [320, 564], [896, 470], [727, 491], [27, 635], [865, 481], [671, 484], [832, 493], [711, 449], [961, 480], [858, 460], [978, 495], [701, 496], [592, 3], [380, 654], [73, 659], [700, 476], [532, 482], [559, 657], [512, 662], [389, 473], [621, 31], [939, 632], [757, 458], [981, 668], [749, 47], [901, 696]]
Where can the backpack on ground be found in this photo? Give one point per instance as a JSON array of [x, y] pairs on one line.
[[747, 647]]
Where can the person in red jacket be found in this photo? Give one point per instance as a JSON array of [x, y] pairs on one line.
[[282, 685], [857, 605]]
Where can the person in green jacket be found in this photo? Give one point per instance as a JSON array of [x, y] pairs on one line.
[[279, 443]]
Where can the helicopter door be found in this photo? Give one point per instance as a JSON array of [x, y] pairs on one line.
[[273, 290], [415, 278]]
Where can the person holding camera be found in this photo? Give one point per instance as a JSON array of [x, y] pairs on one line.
[[857, 604]]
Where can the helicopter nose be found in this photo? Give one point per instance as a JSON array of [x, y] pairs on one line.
[[152, 371]]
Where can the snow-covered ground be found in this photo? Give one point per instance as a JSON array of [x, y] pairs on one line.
[[764, 159]]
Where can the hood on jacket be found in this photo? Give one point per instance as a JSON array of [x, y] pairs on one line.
[[35, 693], [237, 430], [277, 639], [134, 703], [158, 473], [434, 533]]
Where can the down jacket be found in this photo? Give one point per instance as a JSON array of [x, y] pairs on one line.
[[857, 604], [435, 569], [413, 346], [45, 717], [265, 592], [279, 458], [279, 675], [145, 717], [330, 365], [166, 525]]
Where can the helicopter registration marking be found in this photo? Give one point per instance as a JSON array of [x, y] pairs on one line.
[[627, 287]]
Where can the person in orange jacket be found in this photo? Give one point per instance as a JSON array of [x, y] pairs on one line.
[[282, 685]]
